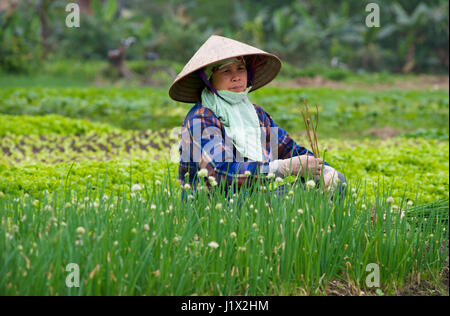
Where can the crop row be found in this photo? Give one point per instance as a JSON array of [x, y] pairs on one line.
[[152, 244], [417, 168], [51, 148], [36, 178], [341, 111]]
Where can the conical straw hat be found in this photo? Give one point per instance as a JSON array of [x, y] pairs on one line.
[[188, 85]]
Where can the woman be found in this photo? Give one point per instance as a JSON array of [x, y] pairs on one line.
[[226, 138]]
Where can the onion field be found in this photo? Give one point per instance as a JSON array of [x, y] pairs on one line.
[[88, 184]]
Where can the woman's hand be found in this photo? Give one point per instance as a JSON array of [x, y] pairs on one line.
[[330, 177], [311, 166], [304, 165]]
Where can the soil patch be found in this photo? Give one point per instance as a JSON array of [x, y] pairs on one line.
[[421, 82], [382, 133], [414, 287], [427, 288], [372, 133]]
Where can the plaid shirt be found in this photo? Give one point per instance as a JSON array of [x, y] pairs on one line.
[[239, 170]]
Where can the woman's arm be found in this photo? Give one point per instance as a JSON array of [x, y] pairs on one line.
[[215, 154]]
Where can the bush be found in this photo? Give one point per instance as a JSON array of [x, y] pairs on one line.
[[19, 41]]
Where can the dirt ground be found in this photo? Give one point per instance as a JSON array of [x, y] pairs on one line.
[[421, 82], [382, 133], [415, 287]]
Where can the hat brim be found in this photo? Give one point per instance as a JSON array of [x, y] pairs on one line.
[[188, 88]]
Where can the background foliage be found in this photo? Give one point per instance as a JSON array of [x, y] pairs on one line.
[[413, 36]]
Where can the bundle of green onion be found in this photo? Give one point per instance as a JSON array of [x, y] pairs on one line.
[[433, 213]]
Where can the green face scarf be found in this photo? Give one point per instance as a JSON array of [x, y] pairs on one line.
[[239, 118]]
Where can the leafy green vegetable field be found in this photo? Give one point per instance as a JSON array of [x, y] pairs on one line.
[[89, 176], [344, 113]]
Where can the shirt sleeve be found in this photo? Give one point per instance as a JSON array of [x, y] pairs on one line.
[[216, 153]]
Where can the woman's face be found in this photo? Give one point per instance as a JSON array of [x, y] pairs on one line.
[[232, 77]]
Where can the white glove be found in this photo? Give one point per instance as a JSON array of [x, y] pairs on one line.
[[330, 177], [302, 165]]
